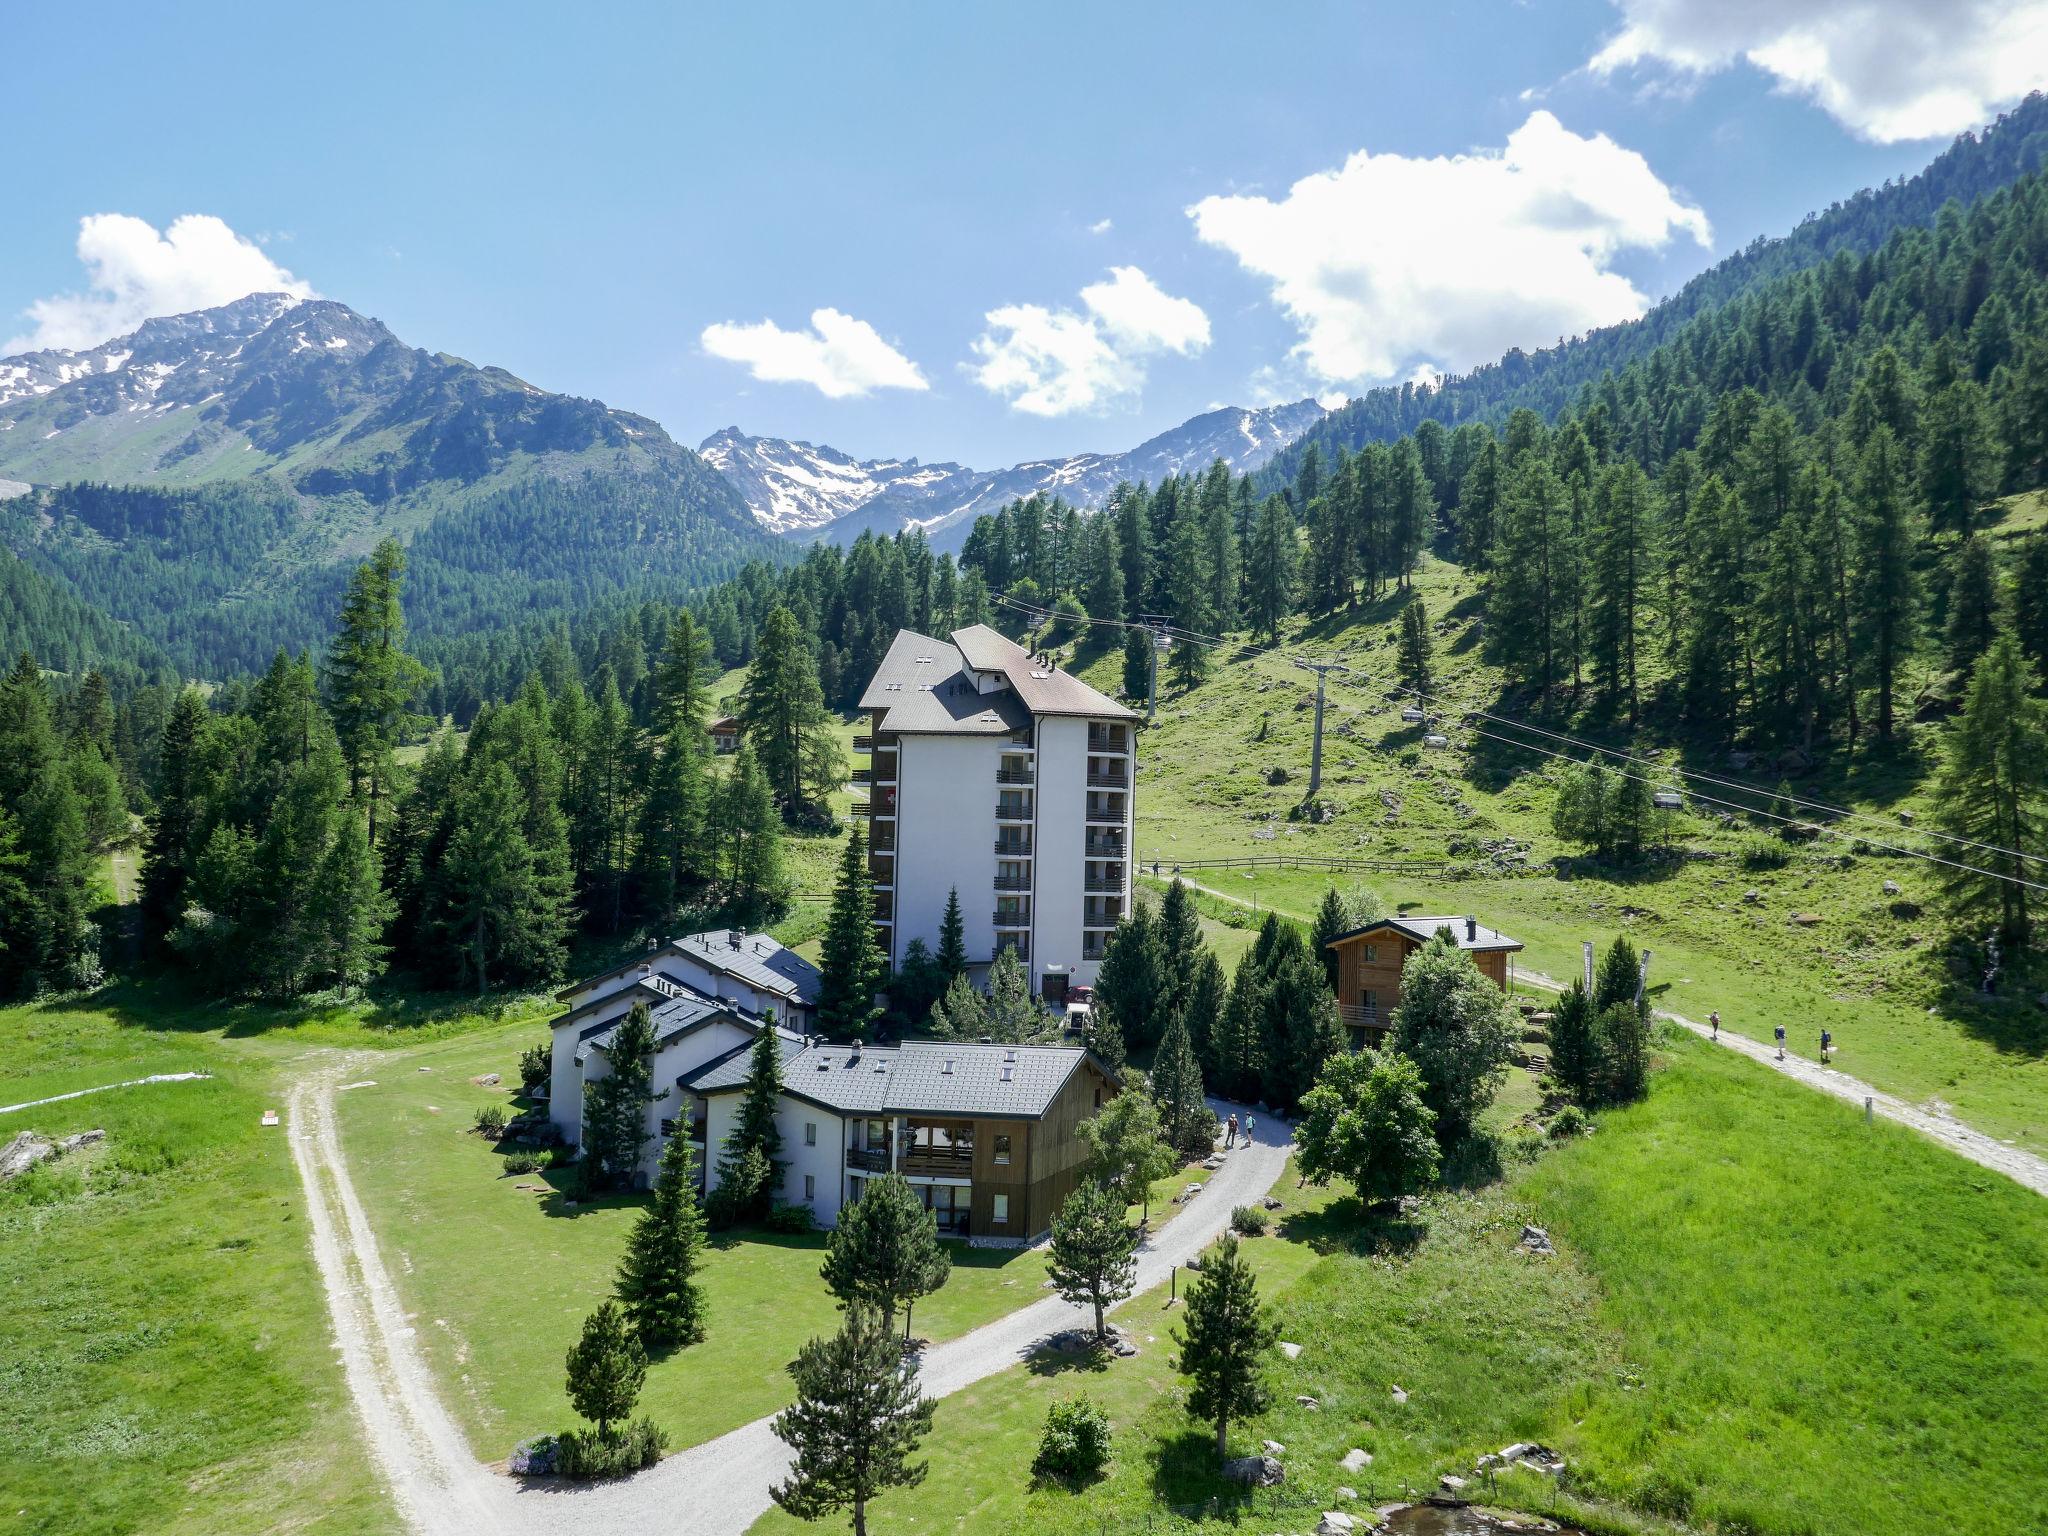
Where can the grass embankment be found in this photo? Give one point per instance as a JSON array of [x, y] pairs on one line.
[[1763, 1315], [1875, 968], [501, 1277], [164, 1351]]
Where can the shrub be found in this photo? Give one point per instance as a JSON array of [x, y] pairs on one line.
[[1765, 853], [490, 1121], [1075, 1445], [528, 1162], [585, 1454], [536, 1062], [1249, 1220], [791, 1218], [1569, 1121]]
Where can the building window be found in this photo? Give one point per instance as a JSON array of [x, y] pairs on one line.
[[1002, 1151], [810, 1133], [1372, 954], [1001, 1216], [810, 1186]]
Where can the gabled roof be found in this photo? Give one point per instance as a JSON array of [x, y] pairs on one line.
[[683, 1016], [928, 687], [1470, 933], [756, 959], [1044, 689], [914, 1078]]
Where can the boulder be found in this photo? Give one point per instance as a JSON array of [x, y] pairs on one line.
[[1356, 1460], [1349, 1495], [1891, 887], [488, 1080], [1310, 1403], [23, 1153], [1450, 1482], [1536, 1240], [1400, 1396], [1271, 1202], [1254, 1471], [1291, 1351], [1274, 1448], [1335, 1523]]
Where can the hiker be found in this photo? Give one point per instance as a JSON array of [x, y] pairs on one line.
[[1230, 1134], [1714, 1019], [1827, 1042], [1247, 1129], [1781, 1042]]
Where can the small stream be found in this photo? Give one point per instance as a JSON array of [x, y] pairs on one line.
[[1429, 1520]]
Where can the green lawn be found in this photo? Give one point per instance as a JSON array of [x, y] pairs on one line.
[[1764, 1315], [501, 1278], [165, 1362]]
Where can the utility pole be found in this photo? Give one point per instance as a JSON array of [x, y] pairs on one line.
[[1315, 759], [1156, 622]]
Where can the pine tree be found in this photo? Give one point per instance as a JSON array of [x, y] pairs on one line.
[[371, 680], [1093, 1259], [1188, 595], [1955, 457], [1973, 604], [178, 820], [852, 967], [1620, 560], [1298, 1028], [748, 1174], [1205, 1005], [1574, 1055], [1269, 565], [1332, 922], [49, 943], [1180, 953], [1886, 588], [1416, 669], [750, 854], [1130, 980], [885, 1251], [351, 910], [672, 816], [658, 1273], [1177, 1087], [496, 912], [1994, 787], [1236, 1059], [1223, 1341], [953, 938], [615, 1105], [1012, 1014], [961, 1013], [606, 1368], [2030, 599], [781, 704], [1138, 654], [855, 1424]]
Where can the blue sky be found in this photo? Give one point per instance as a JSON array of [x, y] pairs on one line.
[[1022, 231]]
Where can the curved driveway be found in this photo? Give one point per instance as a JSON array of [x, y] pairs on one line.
[[718, 1488]]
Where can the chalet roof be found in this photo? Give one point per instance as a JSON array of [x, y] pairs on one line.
[[923, 686], [914, 1078], [756, 959], [1469, 932], [678, 1017], [722, 725]]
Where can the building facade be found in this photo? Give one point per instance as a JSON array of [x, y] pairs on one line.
[[1370, 958], [993, 773], [988, 1135]]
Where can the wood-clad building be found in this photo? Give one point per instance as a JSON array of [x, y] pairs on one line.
[[989, 1135], [1370, 958]]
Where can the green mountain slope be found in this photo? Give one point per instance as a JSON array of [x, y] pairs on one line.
[[1552, 379], [206, 481]]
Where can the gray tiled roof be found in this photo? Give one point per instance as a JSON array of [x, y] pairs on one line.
[[912, 1078], [679, 1017], [1423, 929], [923, 686], [1045, 690], [759, 960]]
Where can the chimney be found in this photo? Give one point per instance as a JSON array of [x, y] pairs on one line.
[[1471, 930]]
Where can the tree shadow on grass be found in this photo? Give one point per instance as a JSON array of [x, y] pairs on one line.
[[168, 1003], [1186, 1474], [1046, 1360], [1350, 1226]]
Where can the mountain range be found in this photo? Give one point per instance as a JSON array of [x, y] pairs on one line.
[[809, 491]]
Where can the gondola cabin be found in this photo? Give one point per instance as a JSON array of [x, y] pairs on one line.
[[1369, 961]]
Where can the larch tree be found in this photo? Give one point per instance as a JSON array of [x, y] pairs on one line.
[[1993, 789], [781, 704], [1416, 669], [852, 968], [1887, 589], [1269, 567]]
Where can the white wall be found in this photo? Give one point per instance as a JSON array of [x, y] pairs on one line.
[[945, 837], [1062, 840], [823, 1162]]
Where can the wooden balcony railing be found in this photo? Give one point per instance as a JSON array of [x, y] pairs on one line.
[[1112, 881], [870, 1159], [943, 1162], [1007, 811], [1105, 741], [863, 743], [1013, 882], [1364, 1016]]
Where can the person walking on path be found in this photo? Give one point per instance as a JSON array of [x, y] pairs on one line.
[[1230, 1134], [1781, 1042], [1714, 1019], [1827, 1042], [1247, 1128]]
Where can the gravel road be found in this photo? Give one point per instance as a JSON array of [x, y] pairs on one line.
[[716, 1489]]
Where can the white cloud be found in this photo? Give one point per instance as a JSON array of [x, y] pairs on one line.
[[134, 272], [838, 356], [1888, 70], [1053, 362], [1389, 264], [1100, 227]]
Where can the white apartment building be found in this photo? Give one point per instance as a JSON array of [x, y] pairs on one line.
[[994, 773]]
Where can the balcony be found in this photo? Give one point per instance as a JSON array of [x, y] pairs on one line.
[[1013, 882], [1110, 880], [1011, 810], [1106, 741], [1102, 815], [940, 1162], [881, 803], [1105, 847], [1107, 778], [1094, 945], [1012, 920], [1012, 848], [863, 743], [1364, 1016], [1017, 944], [1102, 917], [1015, 776], [868, 1159], [883, 839], [1021, 743]]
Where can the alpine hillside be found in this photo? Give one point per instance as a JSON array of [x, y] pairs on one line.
[[807, 491], [206, 480]]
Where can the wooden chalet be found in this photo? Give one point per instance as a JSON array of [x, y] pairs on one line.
[[1369, 961]]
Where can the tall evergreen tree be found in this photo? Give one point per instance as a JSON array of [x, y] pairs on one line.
[[750, 842], [1886, 589], [1417, 671], [1994, 788], [1177, 1088], [1223, 1338], [606, 1368], [1269, 564], [657, 1280], [371, 678], [1973, 604], [952, 956], [1093, 1259], [615, 1105], [781, 704], [855, 1424], [853, 969]]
